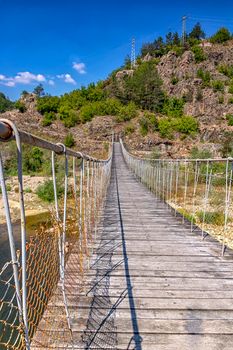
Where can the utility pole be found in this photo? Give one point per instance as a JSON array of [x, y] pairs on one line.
[[184, 20], [133, 55]]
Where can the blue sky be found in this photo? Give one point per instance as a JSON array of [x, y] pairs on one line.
[[66, 44]]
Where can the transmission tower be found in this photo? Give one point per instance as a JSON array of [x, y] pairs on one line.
[[133, 54], [184, 20]]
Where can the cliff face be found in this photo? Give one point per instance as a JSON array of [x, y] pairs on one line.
[[208, 101], [204, 102]]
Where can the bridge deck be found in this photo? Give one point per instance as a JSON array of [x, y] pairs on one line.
[[153, 284]]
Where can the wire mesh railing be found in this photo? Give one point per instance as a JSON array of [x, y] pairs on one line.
[[35, 278], [197, 190]]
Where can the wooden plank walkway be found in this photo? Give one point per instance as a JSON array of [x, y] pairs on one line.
[[152, 285]]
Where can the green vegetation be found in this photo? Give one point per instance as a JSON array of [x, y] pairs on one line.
[[204, 76], [127, 112], [69, 140], [172, 41], [187, 215], [8, 188], [48, 119], [144, 126], [20, 106], [197, 32], [186, 125], [129, 129], [221, 36], [230, 89], [173, 107], [218, 85], [199, 54], [174, 80], [229, 118], [221, 99], [45, 191], [5, 103], [211, 218], [226, 70], [39, 90], [200, 154], [144, 88], [33, 160]]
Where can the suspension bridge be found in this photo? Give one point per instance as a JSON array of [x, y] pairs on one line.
[[138, 258]]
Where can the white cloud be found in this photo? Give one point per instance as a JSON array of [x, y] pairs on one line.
[[27, 78], [51, 82], [80, 67], [67, 78], [22, 78]]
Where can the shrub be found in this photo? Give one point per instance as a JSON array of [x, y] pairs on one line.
[[5, 103], [127, 112], [218, 85], [144, 126], [153, 121], [129, 129], [199, 54], [230, 89], [27, 190], [165, 127], [45, 191], [69, 140], [211, 218], [33, 160], [221, 36], [174, 80], [110, 106], [173, 107], [200, 154], [230, 100], [48, 104], [221, 99], [68, 116], [20, 106], [229, 118], [186, 125], [226, 70], [204, 76], [48, 118], [8, 188]]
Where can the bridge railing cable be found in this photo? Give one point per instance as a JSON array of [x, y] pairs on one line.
[[35, 287], [199, 191]]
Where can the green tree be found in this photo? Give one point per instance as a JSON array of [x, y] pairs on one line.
[[33, 160], [145, 87], [5, 103], [169, 39], [176, 39], [39, 90], [197, 32], [20, 106], [221, 36]]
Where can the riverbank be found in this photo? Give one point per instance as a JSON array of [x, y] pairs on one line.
[[33, 205]]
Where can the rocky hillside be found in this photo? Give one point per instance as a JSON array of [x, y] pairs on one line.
[[205, 85]]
